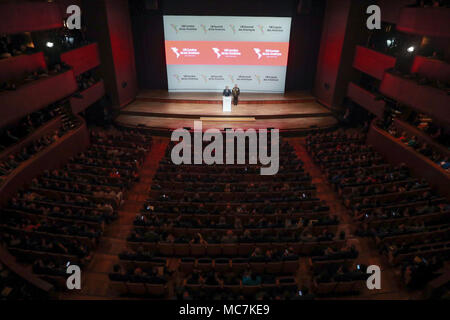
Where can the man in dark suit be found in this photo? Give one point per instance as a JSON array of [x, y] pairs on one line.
[[226, 92], [236, 92]]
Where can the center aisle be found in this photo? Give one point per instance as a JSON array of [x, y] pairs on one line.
[[95, 280]]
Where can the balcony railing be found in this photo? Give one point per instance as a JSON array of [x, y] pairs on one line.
[[372, 62], [35, 95], [431, 68], [366, 99], [433, 22], [89, 96], [14, 68], [82, 59]]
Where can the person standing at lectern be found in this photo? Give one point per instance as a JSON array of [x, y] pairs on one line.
[[236, 92], [226, 100], [226, 92]]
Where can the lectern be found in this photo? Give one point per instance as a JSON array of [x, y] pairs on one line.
[[226, 104]]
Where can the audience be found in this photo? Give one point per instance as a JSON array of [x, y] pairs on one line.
[[409, 222], [60, 218]]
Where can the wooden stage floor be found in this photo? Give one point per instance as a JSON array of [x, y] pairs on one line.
[[167, 110], [206, 96]]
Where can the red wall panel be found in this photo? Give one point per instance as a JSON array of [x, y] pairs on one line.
[[396, 152], [429, 100], [52, 157], [431, 68], [119, 26], [372, 62], [46, 129], [331, 43]]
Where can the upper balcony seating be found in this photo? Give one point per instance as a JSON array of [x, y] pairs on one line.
[[425, 161], [82, 59], [29, 16], [36, 94], [431, 68], [426, 96]]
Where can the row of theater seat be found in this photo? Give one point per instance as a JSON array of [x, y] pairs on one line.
[[59, 219], [234, 233], [409, 221]]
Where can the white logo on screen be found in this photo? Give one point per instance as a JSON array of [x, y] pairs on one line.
[[217, 52], [175, 50], [258, 52]]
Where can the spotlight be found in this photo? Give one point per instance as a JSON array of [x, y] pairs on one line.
[[388, 42], [49, 44], [410, 49]]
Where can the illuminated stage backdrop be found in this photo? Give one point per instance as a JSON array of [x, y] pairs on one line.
[[207, 53]]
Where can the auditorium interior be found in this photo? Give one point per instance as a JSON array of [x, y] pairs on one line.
[[93, 207]]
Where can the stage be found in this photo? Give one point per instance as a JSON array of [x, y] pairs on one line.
[[170, 110]]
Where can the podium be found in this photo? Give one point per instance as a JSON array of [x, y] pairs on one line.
[[226, 104]]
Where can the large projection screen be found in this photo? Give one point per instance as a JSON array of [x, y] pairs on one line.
[[207, 53]]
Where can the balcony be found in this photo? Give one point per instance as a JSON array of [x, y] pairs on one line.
[[90, 96], [45, 129], [50, 158], [15, 67], [366, 99], [82, 59], [35, 95], [25, 273], [29, 16], [426, 99], [431, 68], [432, 22], [396, 152], [421, 136], [372, 62]]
